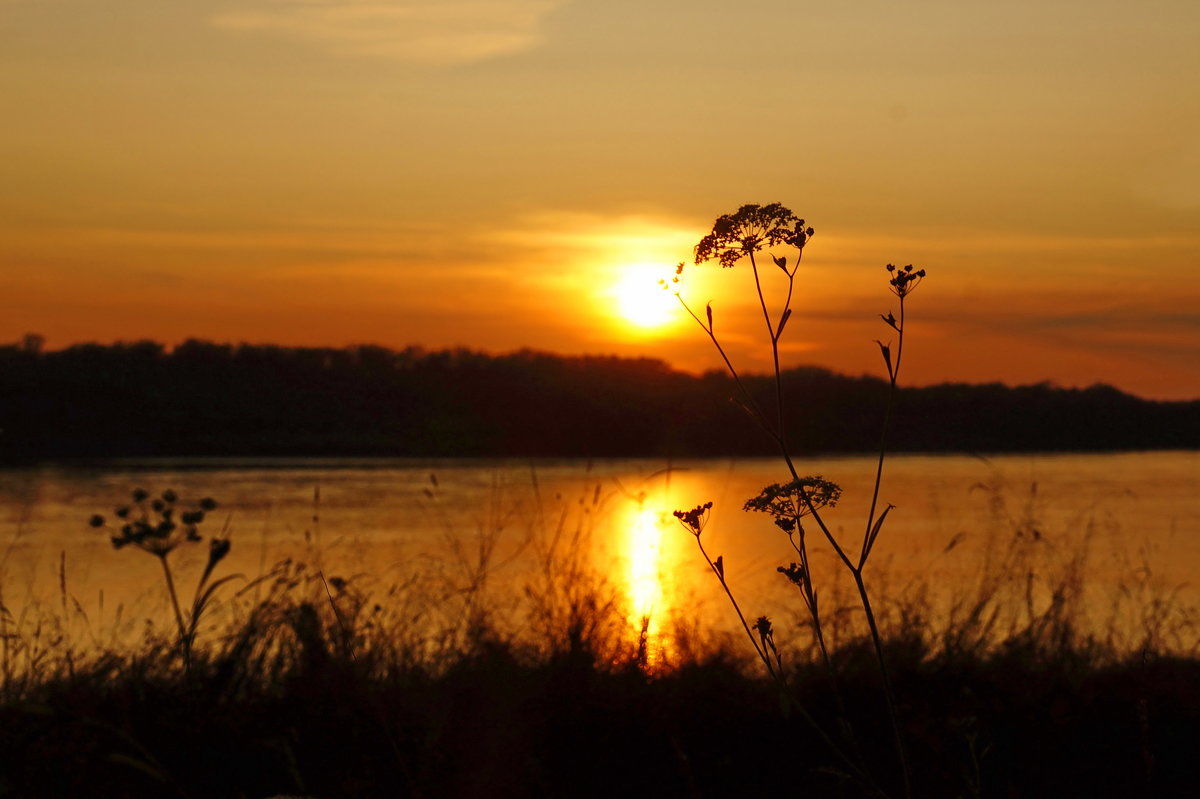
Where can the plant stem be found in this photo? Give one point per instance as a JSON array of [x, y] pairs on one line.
[[184, 643], [887, 423], [887, 680], [773, 333], [785, 691], [751, 404], [738, 610], [889, 694]]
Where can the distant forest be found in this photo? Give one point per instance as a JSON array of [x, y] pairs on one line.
[[202, 399]]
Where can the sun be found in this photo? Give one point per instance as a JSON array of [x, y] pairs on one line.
[[640, 300]]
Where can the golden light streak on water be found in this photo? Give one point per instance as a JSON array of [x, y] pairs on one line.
[[648, 590], [645, 559]]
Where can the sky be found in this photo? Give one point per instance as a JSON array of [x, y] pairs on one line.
[[501, 174]]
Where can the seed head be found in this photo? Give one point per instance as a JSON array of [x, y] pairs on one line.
[[786, 503], [695, 519], [750, 229], [904, 281]]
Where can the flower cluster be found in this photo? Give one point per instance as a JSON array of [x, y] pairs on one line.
[[695, 519], [750, 229], [795, 573], [903, 281], [158, 526], [785, 503]]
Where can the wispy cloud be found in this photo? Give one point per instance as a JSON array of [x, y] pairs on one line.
[[436, 32]]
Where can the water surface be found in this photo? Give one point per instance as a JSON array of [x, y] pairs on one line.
[[1136, 515]]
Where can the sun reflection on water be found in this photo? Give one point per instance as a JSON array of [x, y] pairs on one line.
[[645, 556], [646, 576]]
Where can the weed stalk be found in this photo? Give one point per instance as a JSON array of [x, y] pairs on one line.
[[158, 528], [752, 229]]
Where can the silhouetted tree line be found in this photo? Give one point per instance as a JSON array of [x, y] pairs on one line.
[[201, 398]]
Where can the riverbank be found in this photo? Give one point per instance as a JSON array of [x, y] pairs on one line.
[[303, 700]]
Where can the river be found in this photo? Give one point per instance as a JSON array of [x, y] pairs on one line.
[[1129, 522]]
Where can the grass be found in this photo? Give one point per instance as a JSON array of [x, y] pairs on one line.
[[453, 683]]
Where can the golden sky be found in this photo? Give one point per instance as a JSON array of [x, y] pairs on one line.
[[501, 173]]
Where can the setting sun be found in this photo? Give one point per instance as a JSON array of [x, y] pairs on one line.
[[641, 301]]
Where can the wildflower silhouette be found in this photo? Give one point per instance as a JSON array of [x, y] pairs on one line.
[[766, 636], [743, 235], [750, 229], [694, 519], [158, 528], [785, 504]]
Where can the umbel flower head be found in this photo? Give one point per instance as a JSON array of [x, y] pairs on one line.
[[750, 229], [695, 519], [904, 281], [157, 526], [785, 503]]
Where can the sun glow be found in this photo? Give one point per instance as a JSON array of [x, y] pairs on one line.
[[640, 300]]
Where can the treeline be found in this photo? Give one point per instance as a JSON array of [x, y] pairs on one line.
[[201, 398]]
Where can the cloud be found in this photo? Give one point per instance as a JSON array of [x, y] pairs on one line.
[[630, 235], [434, 32]]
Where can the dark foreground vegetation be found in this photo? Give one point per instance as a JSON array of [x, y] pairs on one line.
[[306, 698], [216, 399], [461, 679]]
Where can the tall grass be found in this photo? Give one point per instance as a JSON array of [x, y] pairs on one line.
[[460, 676]]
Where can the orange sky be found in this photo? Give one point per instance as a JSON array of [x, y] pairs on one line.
[[487, 173]]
